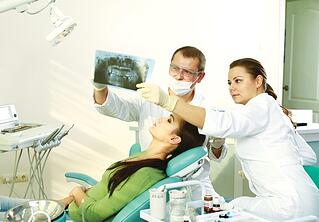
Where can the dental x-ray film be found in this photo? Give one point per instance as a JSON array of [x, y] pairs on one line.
[[121, 70]]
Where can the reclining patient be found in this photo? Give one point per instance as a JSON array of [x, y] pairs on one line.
[[126, 179]]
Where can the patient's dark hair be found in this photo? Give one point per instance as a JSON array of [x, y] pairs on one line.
[[190, 138]]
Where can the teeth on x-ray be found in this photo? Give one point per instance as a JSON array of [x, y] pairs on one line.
[[123, 76], [121, 70]]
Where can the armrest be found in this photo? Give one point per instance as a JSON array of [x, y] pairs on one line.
[[80, 178]]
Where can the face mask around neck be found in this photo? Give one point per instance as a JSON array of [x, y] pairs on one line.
[[181, 88]]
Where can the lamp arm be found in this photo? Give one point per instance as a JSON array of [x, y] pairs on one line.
[[6, 5]]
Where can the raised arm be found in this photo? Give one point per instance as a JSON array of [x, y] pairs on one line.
[[110, 104], [214, 122], [192, 114]]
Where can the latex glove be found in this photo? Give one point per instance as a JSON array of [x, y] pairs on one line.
[[98, 86], [155, 94], [216, 143]]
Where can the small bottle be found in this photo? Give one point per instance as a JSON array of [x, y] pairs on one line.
[[208, 203], [177, 205], [216, 204]]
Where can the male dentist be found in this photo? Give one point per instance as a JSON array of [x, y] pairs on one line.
[[185, 71]]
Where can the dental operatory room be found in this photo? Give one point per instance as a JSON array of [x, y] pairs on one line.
[[160, 111]]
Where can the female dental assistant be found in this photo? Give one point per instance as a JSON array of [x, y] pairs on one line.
[[267, 145]]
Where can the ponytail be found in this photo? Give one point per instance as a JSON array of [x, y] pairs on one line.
[[270, 91], [289, 114]]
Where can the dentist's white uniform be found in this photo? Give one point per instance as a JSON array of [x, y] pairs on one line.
[[270, 157]]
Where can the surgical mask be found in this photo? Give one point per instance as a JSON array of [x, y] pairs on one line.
[[181, 88]]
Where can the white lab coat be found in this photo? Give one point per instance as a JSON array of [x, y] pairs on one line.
[[308, 156], [146, 113], [270, 158]]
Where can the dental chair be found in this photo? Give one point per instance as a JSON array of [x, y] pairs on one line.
[[185, 165]]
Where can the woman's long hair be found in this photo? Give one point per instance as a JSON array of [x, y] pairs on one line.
[[190, 138], [254, 68]]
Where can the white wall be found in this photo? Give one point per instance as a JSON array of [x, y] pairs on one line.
[[51, 84]]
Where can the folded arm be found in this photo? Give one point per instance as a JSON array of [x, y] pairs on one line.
[[98, 205]]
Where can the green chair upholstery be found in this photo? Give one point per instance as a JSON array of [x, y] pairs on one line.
[[135, 148], [313, 172]]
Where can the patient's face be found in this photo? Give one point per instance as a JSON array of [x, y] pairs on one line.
[[165, 127]]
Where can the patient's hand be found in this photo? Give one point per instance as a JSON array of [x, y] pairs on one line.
[[74, 189], [66, 201], [78, 193]]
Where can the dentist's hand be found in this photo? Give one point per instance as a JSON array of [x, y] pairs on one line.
[[214, 147], [154, 94], [98, 86], [216, 143], [100, 92]]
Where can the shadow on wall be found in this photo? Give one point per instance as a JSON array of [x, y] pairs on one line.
[[94, 143]]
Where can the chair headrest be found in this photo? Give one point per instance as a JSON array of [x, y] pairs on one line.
[[186, 162]]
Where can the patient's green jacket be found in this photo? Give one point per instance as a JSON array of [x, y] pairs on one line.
[[98, 206]]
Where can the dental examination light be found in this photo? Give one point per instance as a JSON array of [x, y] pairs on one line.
[[63, 25]]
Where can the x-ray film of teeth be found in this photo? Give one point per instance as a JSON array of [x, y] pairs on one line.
[[121, 70]]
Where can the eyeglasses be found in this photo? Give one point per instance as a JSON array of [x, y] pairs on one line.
[[175, 69]]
